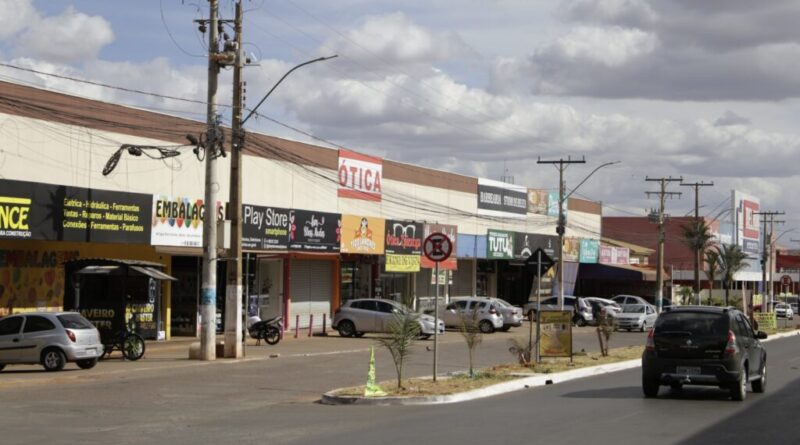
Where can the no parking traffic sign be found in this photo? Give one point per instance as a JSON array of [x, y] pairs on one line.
[[437, 247]]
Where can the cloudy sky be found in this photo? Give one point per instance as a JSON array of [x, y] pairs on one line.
[[707, 90]]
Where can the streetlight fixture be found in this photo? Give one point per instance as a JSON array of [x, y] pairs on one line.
[[234, 318]]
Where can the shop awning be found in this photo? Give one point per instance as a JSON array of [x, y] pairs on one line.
[[153, 273]]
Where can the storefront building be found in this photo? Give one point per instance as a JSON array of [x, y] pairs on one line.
[[320, 226]]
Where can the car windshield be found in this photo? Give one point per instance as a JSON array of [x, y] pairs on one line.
[[633, 309], [74, 321], [692, 323]]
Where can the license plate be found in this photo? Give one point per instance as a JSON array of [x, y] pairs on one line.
[[687, 370], [91, 351]]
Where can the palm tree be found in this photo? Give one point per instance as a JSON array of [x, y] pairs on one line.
[[731, 260], [712, 264], [697, 236]]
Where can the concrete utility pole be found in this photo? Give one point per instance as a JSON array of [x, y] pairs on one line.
[[766, 253], [234, 347], [208, 294], [660, 219], [698, 254], [561, 225]]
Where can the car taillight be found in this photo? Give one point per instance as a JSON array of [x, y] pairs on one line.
[[651, 344], [731, 348], [71, 335]]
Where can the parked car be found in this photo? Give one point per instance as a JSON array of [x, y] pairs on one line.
[[704, 345], [357, 317], [794, 307], [49, 338], [583, 318], [783, 310], [623, 300], [635, 316], [512, 315], [603, 307], [489, 317]]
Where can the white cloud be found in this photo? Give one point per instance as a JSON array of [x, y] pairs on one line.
[[16, 15], [70, 37], [631, 13], [611, 47]]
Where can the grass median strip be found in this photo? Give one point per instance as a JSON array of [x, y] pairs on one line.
[[496, 374]]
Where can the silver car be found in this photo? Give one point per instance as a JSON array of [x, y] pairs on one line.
[[357, 317], [512, 315], [49, 338], [622, 300], [636, 316], [488, 314], [583, 317]]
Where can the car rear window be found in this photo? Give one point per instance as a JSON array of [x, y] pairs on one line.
[[694, 323], [74, 321]]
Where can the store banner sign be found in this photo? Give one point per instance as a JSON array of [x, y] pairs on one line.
[[452, 232], [497, 198], [556, 334], [31, 210], [363, 234], [265, 228], [314, 231], [359, 176], [572, 248], [499, 245], [538, 201], [402, 263], [404, 237], [552, 205], [178, 221], [614, 255], [590, 250], [523, 245]]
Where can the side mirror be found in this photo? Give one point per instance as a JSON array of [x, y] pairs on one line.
[[761, 335]]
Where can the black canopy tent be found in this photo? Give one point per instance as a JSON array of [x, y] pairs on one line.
[[112, 292]]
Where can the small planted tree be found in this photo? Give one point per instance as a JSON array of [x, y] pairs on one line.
[[712, 262], [468, 327], [403, 332], [605, 328], [731, 261]]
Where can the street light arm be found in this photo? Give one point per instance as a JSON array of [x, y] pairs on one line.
[[589, 176], [319, 59]]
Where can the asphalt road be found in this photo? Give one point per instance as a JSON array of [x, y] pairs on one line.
[[272, 401]]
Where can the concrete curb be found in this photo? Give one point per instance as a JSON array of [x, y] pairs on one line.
[[330, 398]]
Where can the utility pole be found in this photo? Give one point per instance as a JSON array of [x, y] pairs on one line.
[[766, 254], [208, 294], [661, 219], [234, 336], [561, 225], [698, 258]]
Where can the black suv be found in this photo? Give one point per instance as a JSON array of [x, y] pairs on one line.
[[703, 345]]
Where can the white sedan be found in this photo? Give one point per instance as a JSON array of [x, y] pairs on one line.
[[784, 310]]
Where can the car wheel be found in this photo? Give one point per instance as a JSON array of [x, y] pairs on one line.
[[359, 334], [580, 322], [86, 364], [486, 326], [650, 387], [760, 384], [53, 360], [739, 388], [346, 328], [424, 336], [505, 328]]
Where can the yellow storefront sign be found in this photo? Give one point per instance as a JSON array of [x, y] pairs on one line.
[[363, 234], [556, 334], [402, 263], [767, 321]]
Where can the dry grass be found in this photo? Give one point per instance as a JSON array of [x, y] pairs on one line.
[[496, 374]]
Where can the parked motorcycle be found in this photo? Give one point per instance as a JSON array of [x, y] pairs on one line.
[[268, 330]]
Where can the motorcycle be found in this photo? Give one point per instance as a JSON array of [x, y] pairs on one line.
[[268, 330]]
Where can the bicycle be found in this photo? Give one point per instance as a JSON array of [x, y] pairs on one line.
[[126, 341]]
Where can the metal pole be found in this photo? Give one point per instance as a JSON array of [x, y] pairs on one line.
[[208, 294], [561, 230], [233, 290], [436, 323], [538, 304]]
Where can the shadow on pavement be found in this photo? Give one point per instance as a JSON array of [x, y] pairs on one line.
[[767, 418], [699, 393], [624, 392]]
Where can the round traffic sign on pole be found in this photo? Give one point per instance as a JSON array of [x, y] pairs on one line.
[[437, 247]]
